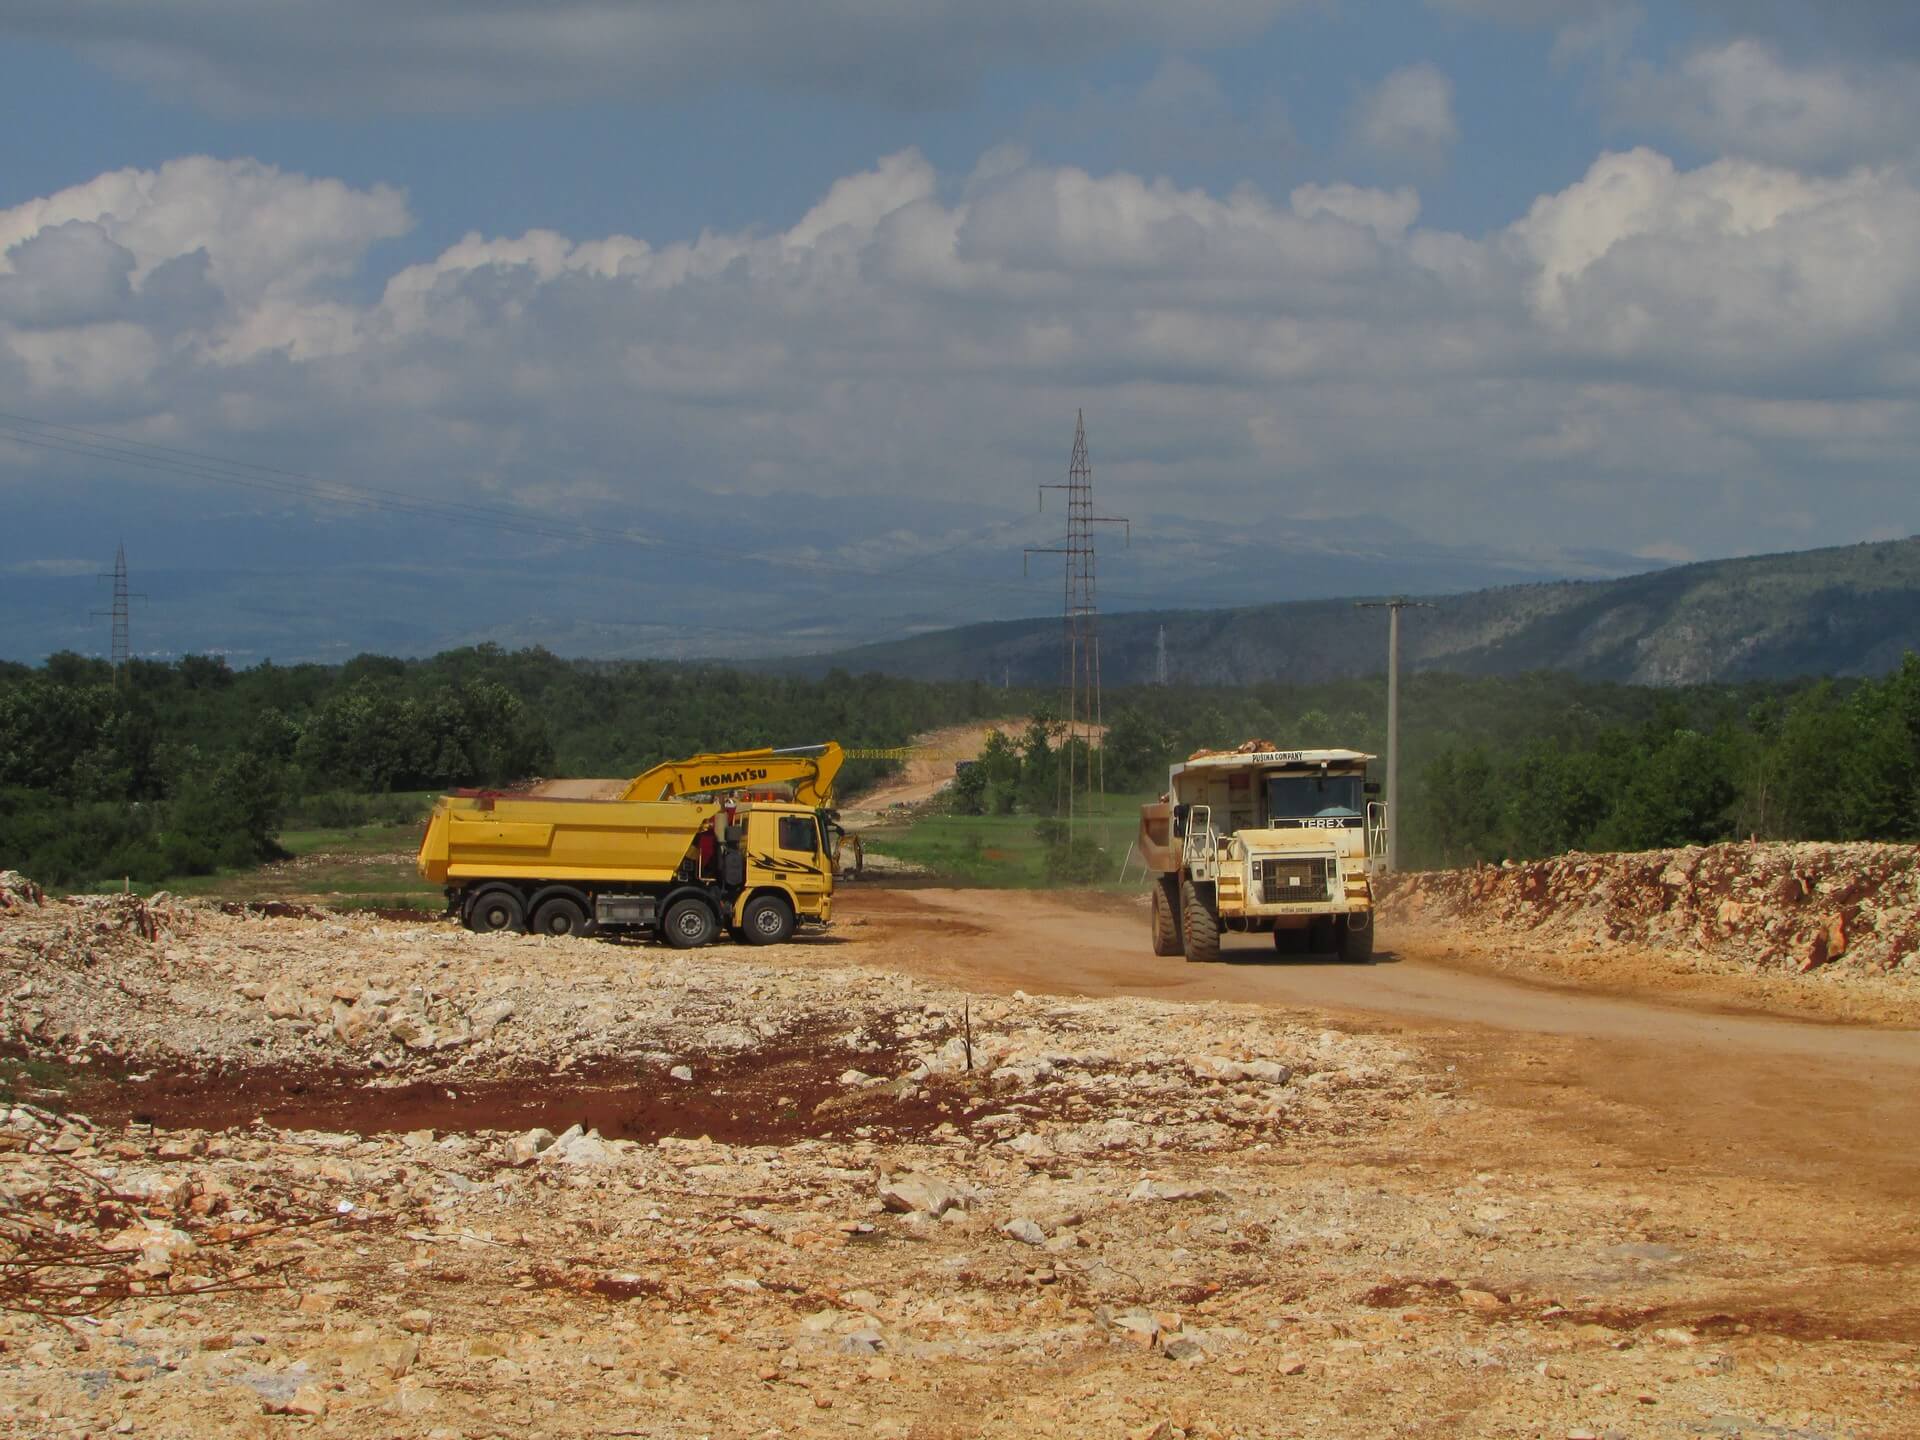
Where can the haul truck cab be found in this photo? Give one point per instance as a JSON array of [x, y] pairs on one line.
[[566, 867], [1258, 840]]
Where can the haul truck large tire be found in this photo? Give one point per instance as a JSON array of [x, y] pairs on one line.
[[1166, 916], [1356, 945], [1199, 926]]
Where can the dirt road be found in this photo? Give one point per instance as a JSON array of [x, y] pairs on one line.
[[1754, 1095]]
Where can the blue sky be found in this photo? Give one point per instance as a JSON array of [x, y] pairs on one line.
[[1563, 276], [745, 154]]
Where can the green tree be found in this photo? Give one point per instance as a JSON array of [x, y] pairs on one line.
[[1556, 799], [1000, 761], [1679, 794], [1815, 733], [1040, 766], [1879, 773], [1136, 750], [968, 793], [1460, 805]]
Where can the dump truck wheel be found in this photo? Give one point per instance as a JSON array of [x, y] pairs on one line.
[[768, 920], [560, 915], [1199, 926], [689, 924], [1356, 946], [1166, 917], [494, 910]]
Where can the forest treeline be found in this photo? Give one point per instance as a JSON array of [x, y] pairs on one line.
[[1533, 765], [184, 767], [177, 768]]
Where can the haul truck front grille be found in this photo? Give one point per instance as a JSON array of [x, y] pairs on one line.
[[1283, 882]]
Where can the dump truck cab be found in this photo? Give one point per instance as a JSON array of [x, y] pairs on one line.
[[1262, 840], [580, 866]]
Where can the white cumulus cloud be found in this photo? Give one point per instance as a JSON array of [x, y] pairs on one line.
[[1410, 115], [1653, 355], [263, 231], [1746, 268], [1743, 98]]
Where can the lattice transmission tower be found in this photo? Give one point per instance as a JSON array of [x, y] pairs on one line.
[[1083, 770], [122, 605]]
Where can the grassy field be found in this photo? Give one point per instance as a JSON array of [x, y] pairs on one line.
[[1008, 851], [359, 867]]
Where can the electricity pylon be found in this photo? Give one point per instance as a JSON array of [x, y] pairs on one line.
[[1082, 612]]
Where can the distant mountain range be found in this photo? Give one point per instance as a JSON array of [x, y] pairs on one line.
[[1848, 611], [297, 584]]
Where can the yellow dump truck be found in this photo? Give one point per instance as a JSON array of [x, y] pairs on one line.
[[576, 867], [1259, 840]]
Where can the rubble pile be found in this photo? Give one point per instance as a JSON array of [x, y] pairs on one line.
[[494, 1285], [1844, 909], [18, 892], [845, 1200], [365, 999], [74, 1242]]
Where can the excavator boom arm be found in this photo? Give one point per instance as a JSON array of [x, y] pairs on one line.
[[810, 769]]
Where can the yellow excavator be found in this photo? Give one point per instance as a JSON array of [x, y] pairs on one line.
[[808, 770]]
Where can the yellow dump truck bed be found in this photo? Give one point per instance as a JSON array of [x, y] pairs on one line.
[[634, 841]]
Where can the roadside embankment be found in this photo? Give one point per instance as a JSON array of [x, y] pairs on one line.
[[1827, 915]]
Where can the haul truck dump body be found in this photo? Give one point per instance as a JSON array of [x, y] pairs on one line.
[[1263, 840], [578, 866]]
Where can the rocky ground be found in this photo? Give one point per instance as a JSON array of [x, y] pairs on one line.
[[1834, 927], [275, 1174]]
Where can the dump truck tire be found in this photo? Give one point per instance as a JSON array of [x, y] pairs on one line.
[[560, 915], [1199, 926], [1166, 917], [1356, 946], [767, 920], [689, 924], [495, 910]]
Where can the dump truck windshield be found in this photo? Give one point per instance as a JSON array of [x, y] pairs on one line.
[[1314, 797]]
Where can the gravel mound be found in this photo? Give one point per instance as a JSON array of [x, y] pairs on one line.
[[1798, 908]]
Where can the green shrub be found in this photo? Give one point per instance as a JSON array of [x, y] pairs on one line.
[[348, 809]]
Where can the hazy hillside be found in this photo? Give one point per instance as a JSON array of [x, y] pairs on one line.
[[297, 586], [1849, 611]]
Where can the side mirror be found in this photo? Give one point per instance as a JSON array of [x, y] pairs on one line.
[[1180, 820], [1372, 787]]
